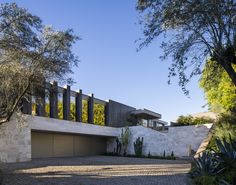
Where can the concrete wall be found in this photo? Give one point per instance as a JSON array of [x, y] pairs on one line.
[[177, 139], [15, 137], [15, 141]]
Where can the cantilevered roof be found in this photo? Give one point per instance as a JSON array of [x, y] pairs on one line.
[[146, 114]]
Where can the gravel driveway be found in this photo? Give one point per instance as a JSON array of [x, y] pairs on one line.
[[99, 170]]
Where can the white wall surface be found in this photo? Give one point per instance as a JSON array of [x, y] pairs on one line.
[[177, 139]]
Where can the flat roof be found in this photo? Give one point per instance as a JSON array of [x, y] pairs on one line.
[[146, 114]]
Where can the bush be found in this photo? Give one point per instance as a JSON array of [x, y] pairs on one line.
[[205, 180], [220, 164], [138, 147], [189, 120], [224, 128]]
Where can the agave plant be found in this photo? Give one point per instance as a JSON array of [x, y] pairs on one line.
[[227, 152], [205, 165]]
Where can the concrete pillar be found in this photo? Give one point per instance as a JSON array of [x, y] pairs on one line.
[[78, 106], [53, 100], [90, 109], [66, 103]]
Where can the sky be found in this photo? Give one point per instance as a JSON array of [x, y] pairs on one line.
[[110, 67]]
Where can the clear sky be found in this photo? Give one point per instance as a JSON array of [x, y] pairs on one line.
[[109, 65]]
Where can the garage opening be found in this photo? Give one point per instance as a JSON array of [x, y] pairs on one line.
[[65, 145]]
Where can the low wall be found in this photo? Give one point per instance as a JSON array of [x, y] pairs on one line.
[[177, 139]]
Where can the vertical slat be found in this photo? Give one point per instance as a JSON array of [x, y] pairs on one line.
[[53, 100], [90, 109], [78, 106], [66, 103], [40, 104], [27, 105], [107, 118]]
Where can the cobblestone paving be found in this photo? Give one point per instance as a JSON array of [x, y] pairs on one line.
[[97, 170]]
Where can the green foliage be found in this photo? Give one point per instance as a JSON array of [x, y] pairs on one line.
[[205, 180], [99, 112], [224, 128], [191, 33], [124, 137], [31, 53], [138, 147], [220, 164], [189, 120], [205, 165], [218, 88]]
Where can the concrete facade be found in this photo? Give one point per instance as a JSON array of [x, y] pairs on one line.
[[16, 141], [176, 139], [15, 136]]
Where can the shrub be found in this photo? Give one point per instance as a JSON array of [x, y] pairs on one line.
[[138, 147], [205, 165], [189, 120], [224, 128], [205, 180], [125, 139], [220, 163]]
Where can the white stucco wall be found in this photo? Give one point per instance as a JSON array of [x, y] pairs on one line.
[[177, 139]]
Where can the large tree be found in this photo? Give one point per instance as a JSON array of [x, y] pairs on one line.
[[219, 90], [30, 53], [194, 30]]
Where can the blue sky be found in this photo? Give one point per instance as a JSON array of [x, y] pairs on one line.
[[109, 65]]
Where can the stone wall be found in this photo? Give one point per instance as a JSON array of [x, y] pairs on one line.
[[15, 141], [177, 139]]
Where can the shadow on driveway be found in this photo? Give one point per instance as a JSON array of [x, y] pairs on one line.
[[97, 170]]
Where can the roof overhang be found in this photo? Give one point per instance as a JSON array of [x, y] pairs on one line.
[[146, 114]]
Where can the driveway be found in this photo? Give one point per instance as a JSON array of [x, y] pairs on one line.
[[97, 170]]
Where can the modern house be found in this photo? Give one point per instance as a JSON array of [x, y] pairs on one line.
[[45, 135]]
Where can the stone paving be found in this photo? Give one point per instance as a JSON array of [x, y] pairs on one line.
[[97, 170]]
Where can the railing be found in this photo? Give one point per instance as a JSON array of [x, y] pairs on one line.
[[53, 91]]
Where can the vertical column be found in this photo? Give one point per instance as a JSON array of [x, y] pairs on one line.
[[107, 112], [90, 109], [40, 102], [78, 106], [27, 105], [53, 100], [66, 103]]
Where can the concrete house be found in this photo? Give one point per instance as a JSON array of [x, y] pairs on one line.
[[42, 135]]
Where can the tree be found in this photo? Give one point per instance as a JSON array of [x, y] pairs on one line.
[[219, 90], [195, 29], [30, 53]]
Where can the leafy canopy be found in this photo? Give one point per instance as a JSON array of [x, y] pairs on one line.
[[219, 90], [193, 30], [30, 53]]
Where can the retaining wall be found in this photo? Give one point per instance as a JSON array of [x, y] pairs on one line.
[[177, 139]]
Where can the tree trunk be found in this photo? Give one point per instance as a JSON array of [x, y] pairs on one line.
[[230, 70]]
